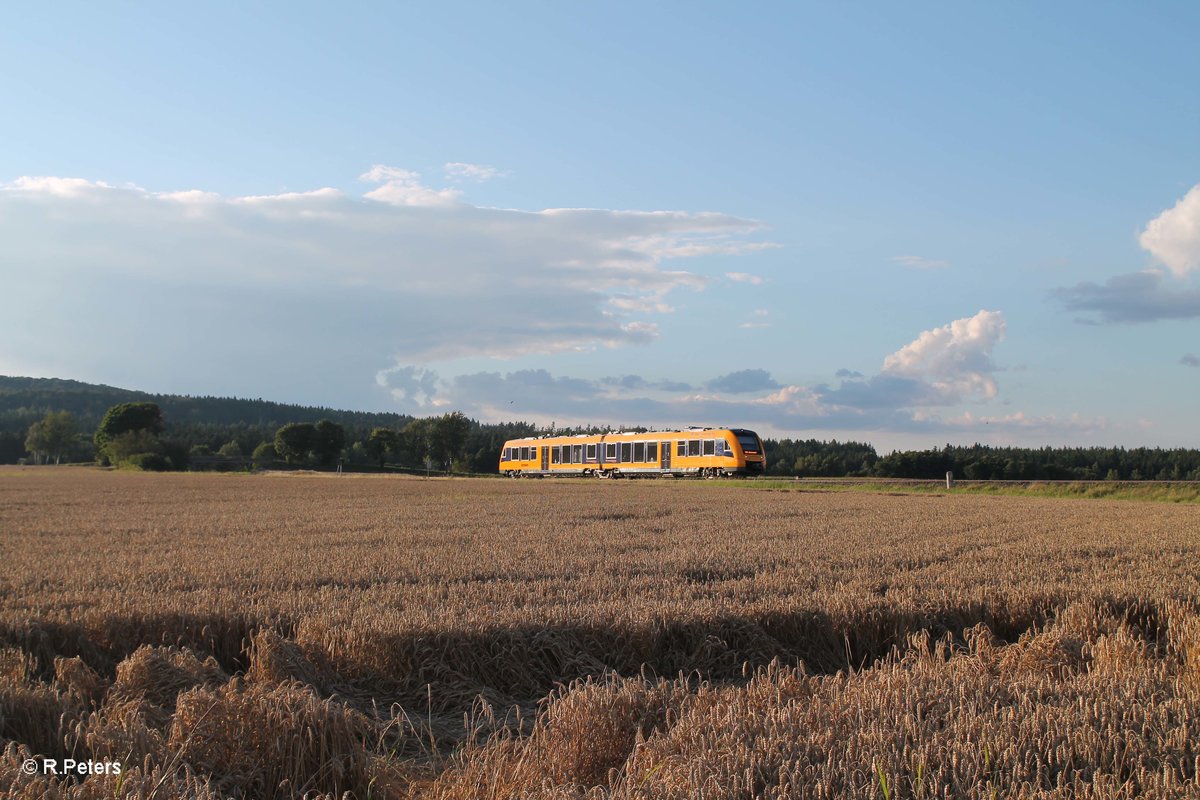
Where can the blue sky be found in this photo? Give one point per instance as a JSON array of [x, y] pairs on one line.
[[906, 224]]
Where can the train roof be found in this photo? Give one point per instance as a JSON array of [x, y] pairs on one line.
[[676, 432]]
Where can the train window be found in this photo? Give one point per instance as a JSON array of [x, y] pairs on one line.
[[693, 447], [610, 451], [576, 454], [639, 451], [710, 447], [749, 441], [524, 453], [554, 454], [681, 449], [652, 452], [591, 452], [533, 453], [504, 454], [627, 451]]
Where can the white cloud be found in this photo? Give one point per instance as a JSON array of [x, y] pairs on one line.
[[744, 277], [56, 187], [1173, 237], [758, 319], [645, 303], [920, 262], [1019, 420], [404, 188], [955, 358], [457, 170]]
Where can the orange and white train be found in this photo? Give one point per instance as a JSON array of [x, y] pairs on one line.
[[702, 452]]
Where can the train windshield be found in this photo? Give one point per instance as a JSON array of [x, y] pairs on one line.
[[748, 440]]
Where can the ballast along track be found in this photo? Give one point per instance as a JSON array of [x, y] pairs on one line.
[[694, 452]]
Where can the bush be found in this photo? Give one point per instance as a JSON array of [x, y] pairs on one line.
[[264, 454], [147, 462], [230, 449]]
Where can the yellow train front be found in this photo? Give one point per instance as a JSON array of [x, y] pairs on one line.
[[704, 452]]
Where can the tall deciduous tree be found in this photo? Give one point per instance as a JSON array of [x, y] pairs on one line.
[[418, 438], [381, 442], [328, 440], [449, 436], [294, 441], [128, 418], [52, 436]]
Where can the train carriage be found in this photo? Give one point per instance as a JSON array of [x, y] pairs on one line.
[[704, 452]]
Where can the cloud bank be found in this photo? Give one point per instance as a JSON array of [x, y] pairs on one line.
[[322, 283], [1137, 297], [915, 391]]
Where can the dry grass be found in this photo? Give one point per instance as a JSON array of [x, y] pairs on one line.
[[281, 636]]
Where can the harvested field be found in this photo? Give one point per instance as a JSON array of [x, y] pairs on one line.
[[277, 636]]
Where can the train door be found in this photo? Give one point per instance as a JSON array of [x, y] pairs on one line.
[[665, 449], [545, 458]]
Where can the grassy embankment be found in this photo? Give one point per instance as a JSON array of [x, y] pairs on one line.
[[1151, 491]]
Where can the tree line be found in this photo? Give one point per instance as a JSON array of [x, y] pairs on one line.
[[58, 421], [137, 435]]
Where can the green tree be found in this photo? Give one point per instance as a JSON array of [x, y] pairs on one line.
[[294, 441], [230, 449], [328, 440], [418, 439], [381, 442], [37, 442], [129, 447], [264, 454], [448, 436], [125, 418], [52, 436]]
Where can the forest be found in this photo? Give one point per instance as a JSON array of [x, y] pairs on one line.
[[227, 433]]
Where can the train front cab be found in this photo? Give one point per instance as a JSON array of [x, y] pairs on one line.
[[716, 452], [753, 458]]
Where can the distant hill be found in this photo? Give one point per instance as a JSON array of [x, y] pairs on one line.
[[23, 401]]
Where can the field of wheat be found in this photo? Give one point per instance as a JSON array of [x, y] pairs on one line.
[[303, 635]]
